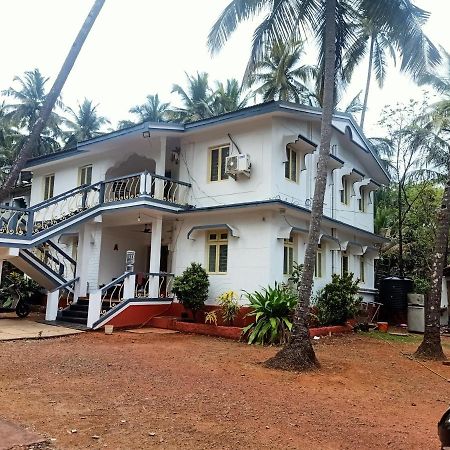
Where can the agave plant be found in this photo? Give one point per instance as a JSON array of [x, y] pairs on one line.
[[272, 309]]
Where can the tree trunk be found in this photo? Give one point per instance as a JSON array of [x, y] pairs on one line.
[[298, 354], [431, 347], [369, 75], [26, 150], [401, 266]]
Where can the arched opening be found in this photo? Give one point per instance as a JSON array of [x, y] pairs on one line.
[[133, 164]]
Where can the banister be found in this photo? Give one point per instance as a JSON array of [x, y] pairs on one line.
[[62, 252], [114, 282], [67, 283]]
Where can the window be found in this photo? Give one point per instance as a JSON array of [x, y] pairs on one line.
[[362, 201], [291, 165], [85, 175], [217, 251], [345, 193], [362, 274], [344, 265], [217, 158], [288, 256], [318, 262], [49, 184]]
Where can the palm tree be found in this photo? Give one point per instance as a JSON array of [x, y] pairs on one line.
[[228, 98], [30, 97], [197, 99], [152, 110], [438, 121], [281, 76], [50, 100], [381, 40], [85, 123], [284, 22], [330, 22]]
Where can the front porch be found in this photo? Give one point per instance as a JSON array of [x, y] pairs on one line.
[[106, 279]]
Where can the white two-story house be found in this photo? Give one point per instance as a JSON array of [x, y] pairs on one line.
[[231, 192]]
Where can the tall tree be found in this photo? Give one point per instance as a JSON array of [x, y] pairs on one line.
[[330, 23], [197, 99], [284, 22], [50, 100], [438, 120], [281, 76], [85, 122], [152, 110], [228, 97], [395, 31]]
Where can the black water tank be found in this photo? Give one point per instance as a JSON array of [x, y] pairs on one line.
[[393, 295]]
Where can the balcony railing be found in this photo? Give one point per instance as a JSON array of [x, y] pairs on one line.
[[38, 218]]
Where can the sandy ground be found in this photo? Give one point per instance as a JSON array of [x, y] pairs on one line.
[[172, 391]]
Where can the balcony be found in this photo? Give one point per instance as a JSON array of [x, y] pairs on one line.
[[67, 208]]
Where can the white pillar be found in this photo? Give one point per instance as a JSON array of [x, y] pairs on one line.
[[88, 261], [1, 270], [155, 257], [52, 305], [160, 169], [129, 285], [95, 307]]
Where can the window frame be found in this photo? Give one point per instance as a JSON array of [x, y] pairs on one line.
[[80, 174], [318, 262], [345, 192], [362, 201], [347, 258], [49, 187], [220, 162], [362, 269], [288, 256], [288, 165], [217, 243]]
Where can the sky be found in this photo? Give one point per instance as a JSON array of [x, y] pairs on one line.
[[141, 47]]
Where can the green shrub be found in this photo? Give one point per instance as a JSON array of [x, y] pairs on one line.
[[337, 301], [191, 287], [272, 309], [229, 306]]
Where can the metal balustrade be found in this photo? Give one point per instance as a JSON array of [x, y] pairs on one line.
[[38, 218], [165, 281], [55, 259]]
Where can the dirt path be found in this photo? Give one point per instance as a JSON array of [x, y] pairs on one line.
[[176, 391]]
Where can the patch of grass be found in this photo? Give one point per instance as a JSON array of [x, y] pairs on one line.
[[410, 339]]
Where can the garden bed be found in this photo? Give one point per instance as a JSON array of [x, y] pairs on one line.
[[174, 323]]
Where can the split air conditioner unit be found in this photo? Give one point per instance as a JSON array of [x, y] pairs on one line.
[[238, 164]]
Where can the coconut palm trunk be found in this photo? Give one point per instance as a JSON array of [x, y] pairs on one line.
[[26, 150], [369, 77], [298, 354], [431, 347]]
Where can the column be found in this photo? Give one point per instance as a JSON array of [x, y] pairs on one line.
[[51, 311], [155, 257], [88, 263], [160, 169]]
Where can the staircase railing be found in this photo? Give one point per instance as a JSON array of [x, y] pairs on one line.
[[38, 218], [55, 259], [161, 280], [54, 297]]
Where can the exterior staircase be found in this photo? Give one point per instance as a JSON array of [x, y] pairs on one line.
[[77, 313]]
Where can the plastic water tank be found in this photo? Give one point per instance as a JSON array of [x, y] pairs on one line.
[[393, 296]]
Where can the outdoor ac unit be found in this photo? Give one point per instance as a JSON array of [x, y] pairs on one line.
[[238, 164]]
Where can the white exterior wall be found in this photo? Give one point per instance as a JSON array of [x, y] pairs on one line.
[[194, 165], [251, 256]]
